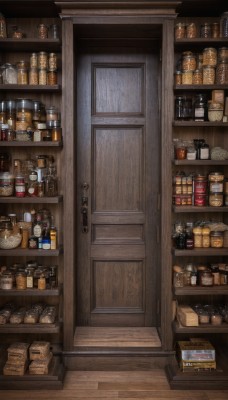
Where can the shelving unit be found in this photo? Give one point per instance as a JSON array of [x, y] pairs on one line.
[[215, 134], [11, 51]]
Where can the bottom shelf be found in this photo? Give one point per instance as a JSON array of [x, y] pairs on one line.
[[52, 381], [205, 380]]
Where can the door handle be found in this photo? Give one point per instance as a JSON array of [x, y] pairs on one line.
[[84, 208]]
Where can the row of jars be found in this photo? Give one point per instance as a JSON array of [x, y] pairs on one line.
[[207, 68], [28, 276], [206, 30], [196, 149], [43, 31], [198, 108], [200, 190], [42, 70], [22, 113], [189, 236], [200, 275], [211, 314], [32, 314]]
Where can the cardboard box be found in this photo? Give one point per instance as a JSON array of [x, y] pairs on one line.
[[187, 316], [218, 96], [194, 356]]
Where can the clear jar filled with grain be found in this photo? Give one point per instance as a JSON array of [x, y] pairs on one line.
[[22, 76], [222, 72], [178, 78], [52, 77], [188, 62], [33, 60], [42, 31], [187, 77], [180, 31], [208, 75], [191, 31], [52, 61], [210, 56], [43, 77], [33, 76], [197, 78], [42, 60]]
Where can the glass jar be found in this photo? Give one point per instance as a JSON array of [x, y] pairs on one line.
[[33, 76], [216, 274], [52, 61], [20, 189], [16, 32], [21, 283], [206, 278], [22, 76], [215, 112], [178, 78], [200, 107], [11, 114], [188, 63], [204, 153], [191, 31], [215, 30], [32, 184], [24, 111], [216, 319], [223, 53], [53, 31], [6, 280], [9, 74], [206, 237], [42, 60], [33, 60], [42, 76], [198, 238], [200, 184], [224, 25], [52, 78], [210, 56], [3, 112], [29, 278], [205, 30], [204, 317], [216, 239], [187, 77], [42, 31], [208, 75], [222, 72], [216, 199], [6, 184], [216, 182], [56, 134], [180, 151], [180, 31], [3, 33], [197, 78]]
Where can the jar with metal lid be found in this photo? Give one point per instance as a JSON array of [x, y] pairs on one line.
[[33, 76], [216, 199], [11, 114], [206, 278], [205, 30], [200, 107], [215, 111], [180, 151], [42, 31], [180, 31], [204, 153], [33, 60], [21, 283], [197, 78], [178, 77], [20, 188], [3, 112], [32, 184], [206, 237], [6, 280], [222, 72], [216, 182], [224, 25], [210, 56], [216, 274], [42, 60], [3, 33], [9, 74], [216, 239], [24, 111], [22, 76], [16, 32], [4, 162], [52, 114], [197, 232], [6, 184], [188, 62], [208, 75], [56, 134]]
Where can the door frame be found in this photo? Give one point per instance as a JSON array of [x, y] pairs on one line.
[[69, 41]]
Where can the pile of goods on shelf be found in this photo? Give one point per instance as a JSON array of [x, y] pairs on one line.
[[31, 275], [196, 355], [41, 69], [201, 234], [33, 177], [36, 230], [202, 314], [42, 31], [37, 313], [201, 107], [201, 275], [200, 190], [197, 149], [29, 120], [22, 357], [206, 30]]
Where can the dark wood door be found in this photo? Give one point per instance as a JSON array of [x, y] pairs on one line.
[[118, 157]]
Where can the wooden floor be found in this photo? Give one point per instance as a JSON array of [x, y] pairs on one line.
[[114, 385], [116, 337]]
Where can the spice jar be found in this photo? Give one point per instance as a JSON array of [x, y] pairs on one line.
[[206, 278], [21, 280], [180, 31], [216, 274], [208, 75], [204, 153], [42, 282], [216, 239], [210, 56], [19, 186], [6, 280]]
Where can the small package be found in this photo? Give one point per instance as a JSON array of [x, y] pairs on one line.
[[39, 350]]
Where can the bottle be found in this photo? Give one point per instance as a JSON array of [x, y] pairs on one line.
[[53, 234], [38, 226], [32, 184], [29, 278], [200, 108]]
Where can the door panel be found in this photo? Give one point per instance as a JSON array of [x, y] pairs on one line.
[[118, 156]]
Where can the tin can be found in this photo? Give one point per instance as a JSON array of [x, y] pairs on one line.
[[200, 184]]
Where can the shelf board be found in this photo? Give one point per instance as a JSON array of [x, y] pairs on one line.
[[199, 290], [204, 328], [199, 88], [30, 144], [200, 123], [31, 292], [195, 209], [31, 200], [30, 328], [201, 252], [200, 42], [18, 252], [30, 88], [200, 162], [28, 44]]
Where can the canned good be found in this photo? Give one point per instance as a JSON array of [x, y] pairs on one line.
[[216, 239], [200, 184], [216, 199], [20, 186]]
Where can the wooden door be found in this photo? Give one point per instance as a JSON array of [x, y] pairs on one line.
[[118, 150]]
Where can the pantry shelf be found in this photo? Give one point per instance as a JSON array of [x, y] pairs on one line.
[[195, 209], [201, 252], [31, 292], [199, 290], [31, 252], [32, 200], [204, 328]]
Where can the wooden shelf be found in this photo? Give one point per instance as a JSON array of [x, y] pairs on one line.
[[203, 328], [199, 88], [200, 162], [28, 44], [31, 144], [30, 88], [30, 328], [195, 209], [200, 42], [199, 290], [31, 292], [18, 252], [201, 252], [31, 200], [200, 123]]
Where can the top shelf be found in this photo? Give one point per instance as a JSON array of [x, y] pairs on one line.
[[30, 45]]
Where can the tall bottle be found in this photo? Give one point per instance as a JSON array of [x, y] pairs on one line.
[[53, 234]]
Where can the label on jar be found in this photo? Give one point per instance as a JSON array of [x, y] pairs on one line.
[[199, 112], [29, 282], [216, 187], [204, 154]]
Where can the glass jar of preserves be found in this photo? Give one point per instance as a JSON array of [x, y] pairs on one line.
[[208, 75], [197, 78], [210, 56], [200, 107], [200, 184], [191, 31], [216, 199], [222, 72], [21, 283], [216, 239], [205, 30], [188, 62], [180, 31], [204, 317], [6, 184], [20, 189], [215, 112], [42, 31], [216, 182], [206, 278], [224, 25], [180, 151]]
